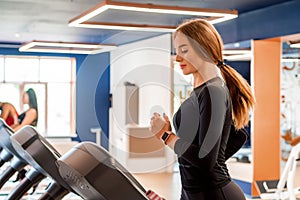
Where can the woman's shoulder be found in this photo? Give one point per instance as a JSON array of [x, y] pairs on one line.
[[212, 86], [216, 89], [31, 111]]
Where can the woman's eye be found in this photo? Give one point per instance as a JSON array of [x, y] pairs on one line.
[[184, 50]]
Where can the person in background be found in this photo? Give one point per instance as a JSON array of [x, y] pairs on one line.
[[9, 113], [221, 98], [30, 116]]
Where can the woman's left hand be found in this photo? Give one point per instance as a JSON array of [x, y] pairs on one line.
[[158, 125]]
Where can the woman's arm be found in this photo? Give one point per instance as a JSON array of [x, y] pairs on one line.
[[16, 120], [5, 111], [9, 110], [30, 116]]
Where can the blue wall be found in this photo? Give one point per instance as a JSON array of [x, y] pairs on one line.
[[274, 21], [243, 67], [92, 97], [92, 91]]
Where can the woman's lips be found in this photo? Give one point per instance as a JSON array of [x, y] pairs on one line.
[[182, 66]]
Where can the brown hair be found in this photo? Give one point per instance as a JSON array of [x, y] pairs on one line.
[[204, 37]]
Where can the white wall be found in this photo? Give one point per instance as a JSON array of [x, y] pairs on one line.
[[147, 64]]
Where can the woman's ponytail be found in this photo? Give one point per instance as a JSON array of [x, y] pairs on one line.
[[241, 95]]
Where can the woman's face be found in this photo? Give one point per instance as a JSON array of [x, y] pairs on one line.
[[188, 59], [25, 98]]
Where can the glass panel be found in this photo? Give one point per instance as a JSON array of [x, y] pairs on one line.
[[55, 70], [1, 69], [290, 99], [59, 109], [21, 69], [10, 93], [40, 90]]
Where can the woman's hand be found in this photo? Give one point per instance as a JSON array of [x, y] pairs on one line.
[[168, 126], [159, 125]]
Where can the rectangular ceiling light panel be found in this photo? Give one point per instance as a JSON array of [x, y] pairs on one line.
[[295, 45], [237, 54], [65, 47], [212, 15]]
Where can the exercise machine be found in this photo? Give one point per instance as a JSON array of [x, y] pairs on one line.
[[5, 133], [8, 153], [42, 156], [283, 188], [94, 174]]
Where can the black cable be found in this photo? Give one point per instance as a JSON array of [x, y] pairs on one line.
[[31, 178], [54, 191]]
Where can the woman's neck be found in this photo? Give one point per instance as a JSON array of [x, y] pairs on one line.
[[205, 73]]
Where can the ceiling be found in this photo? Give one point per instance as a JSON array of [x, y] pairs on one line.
[[47, 20]]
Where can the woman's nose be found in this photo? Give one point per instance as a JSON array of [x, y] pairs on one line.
[[178, 58]]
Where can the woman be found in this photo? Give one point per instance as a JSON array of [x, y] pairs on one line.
[[221, 97], [30, 116], [9, 113]]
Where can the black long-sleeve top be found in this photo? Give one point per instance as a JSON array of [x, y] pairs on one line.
[[203, 126]]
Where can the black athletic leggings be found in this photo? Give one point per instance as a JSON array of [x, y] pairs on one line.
[[229, 192]]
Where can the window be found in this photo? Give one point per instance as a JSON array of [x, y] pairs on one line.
[[57, 69], [52, 79], [59, 107], [9, 92], [1, 69], [21, 69]]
